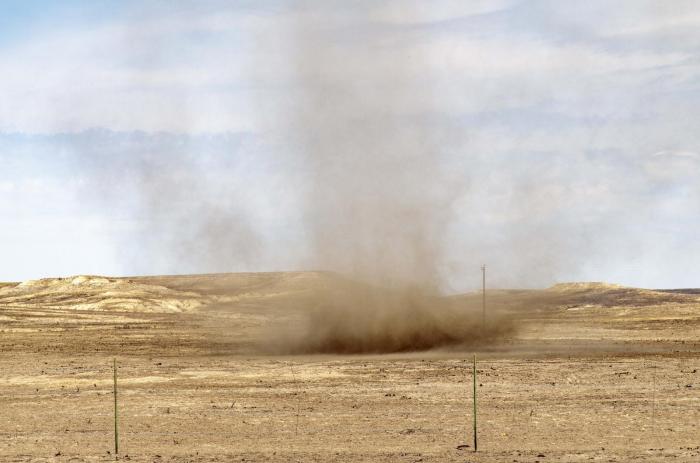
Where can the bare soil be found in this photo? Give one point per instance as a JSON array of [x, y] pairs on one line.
[[594, 372]]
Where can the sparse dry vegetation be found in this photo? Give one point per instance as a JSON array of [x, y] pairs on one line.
[[572, 383]]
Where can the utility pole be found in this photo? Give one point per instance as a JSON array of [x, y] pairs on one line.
[[483, 296]]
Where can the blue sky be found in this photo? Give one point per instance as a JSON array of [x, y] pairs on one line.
[[164, 137]]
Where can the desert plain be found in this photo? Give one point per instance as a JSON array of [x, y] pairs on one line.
[[588, 372]]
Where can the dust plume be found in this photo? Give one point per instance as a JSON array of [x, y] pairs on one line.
[[195, 218], [354, 318], [378, 191]]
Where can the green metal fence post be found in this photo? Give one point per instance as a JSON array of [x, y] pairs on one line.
[[116, 427]]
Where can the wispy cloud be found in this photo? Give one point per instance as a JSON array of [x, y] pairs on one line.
[[580, 122], [677, 154], [418, 12]]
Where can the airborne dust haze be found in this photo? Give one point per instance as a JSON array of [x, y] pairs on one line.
[[399, 144], [378, 193], [371, 154]]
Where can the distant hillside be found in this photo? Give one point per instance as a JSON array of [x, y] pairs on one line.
[[680, 291], [240, 283], [285, 290], [605, 294], [97, 293]]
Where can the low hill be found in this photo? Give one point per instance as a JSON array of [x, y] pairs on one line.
[[98, 294], [185, 293], [323, 312]]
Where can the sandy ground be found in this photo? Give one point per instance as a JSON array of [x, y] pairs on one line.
[[595, 373]]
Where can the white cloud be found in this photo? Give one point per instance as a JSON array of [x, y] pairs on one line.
[[151, 74], [679, 167], [621, 19], [417, 12], [496, 57], [632, 17], [578, 139], [138, 76], [677, 154]]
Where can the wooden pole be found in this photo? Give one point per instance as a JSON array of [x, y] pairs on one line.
[[483, 296], [474, 401], [116, 428]]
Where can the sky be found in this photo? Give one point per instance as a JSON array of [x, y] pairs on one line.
[[152, 137]]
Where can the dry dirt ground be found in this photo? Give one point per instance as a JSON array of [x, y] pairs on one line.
[[594, 373]]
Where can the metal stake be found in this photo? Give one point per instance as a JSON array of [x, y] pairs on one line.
[[474, 401], [116, 428]]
